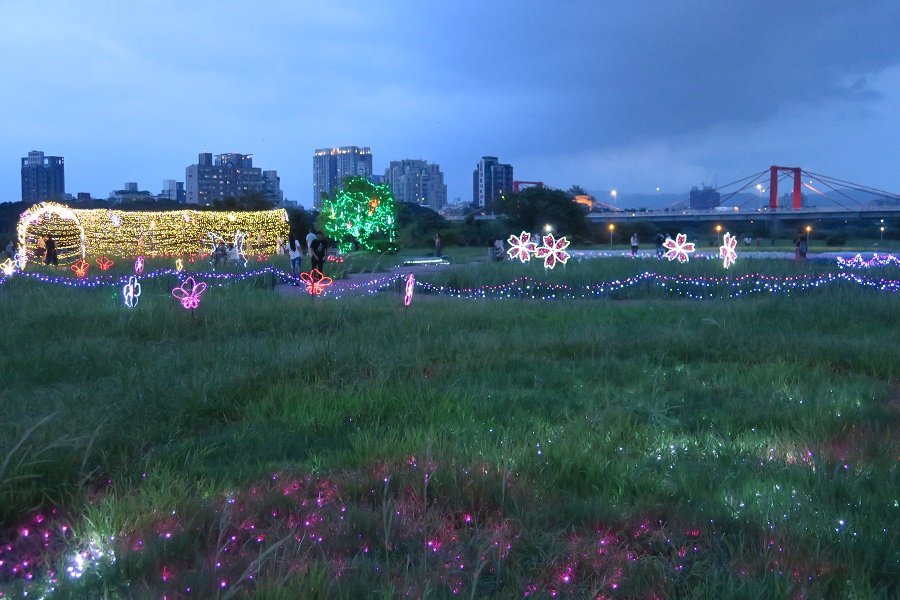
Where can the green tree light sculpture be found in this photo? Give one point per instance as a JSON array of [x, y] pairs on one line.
[[361, 213]]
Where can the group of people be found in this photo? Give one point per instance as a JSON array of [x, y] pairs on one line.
[[314, 245], [660, 247], [45, 250]]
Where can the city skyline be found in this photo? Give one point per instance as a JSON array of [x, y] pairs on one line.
[[600, 94]]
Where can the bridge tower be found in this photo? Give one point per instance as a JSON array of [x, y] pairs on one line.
[[774, 171]]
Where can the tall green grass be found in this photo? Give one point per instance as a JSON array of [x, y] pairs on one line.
[[751, 420]]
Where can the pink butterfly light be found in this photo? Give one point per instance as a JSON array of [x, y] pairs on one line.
[[188, 293]]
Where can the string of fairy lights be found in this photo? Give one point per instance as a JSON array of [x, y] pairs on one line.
[[698, 288], [94, 232]]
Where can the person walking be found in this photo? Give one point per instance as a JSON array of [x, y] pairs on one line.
[[51, 258], [10, 249], [660, 240], [634, 245], [438, 245], [317, 249], [295, 251], [310, 238], [803, 247]]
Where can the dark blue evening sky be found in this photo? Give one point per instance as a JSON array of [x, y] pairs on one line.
[[630, 95]]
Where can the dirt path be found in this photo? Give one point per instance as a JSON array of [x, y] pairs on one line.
[[361, 284]]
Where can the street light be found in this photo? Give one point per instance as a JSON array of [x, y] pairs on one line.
[[614, 194], [882, 233], [759, 191], [718, 231], [611, 229], [548, 228]]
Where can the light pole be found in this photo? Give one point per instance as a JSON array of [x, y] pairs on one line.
[[611, 229], [882, 233], [759, 191], [718, 231]]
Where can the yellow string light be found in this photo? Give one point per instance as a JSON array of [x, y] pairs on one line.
[[94, 232]]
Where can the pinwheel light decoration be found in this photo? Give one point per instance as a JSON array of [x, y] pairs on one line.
[[104, 263], [80, 267], [316, 281], [139, 265]]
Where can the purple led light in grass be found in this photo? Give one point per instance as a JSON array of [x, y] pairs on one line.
[[189, 292]]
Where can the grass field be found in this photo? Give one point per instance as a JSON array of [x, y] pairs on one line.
[[279, 446]]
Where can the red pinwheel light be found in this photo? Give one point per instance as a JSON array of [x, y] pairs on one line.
[[80, 267], [316, 281], [104, 263]]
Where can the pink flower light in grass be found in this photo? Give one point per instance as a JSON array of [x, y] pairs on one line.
[[553, 251], [727, 251], [409, 289], [521, 247], [679, 248], [139, 265], [188, 293]]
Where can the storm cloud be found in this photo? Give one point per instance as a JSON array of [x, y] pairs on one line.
[[633, 95]]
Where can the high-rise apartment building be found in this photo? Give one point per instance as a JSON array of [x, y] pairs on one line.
[[43, 177], [272, 186], [490, 181], [417, 181], [172, 190], [332, 165], [228, 175]]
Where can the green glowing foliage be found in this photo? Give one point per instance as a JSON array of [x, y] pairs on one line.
[[361, 214]]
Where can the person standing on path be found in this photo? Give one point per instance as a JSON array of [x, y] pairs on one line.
[[634, 245], [295, 251], [310, 238], [438, 245], [51, 258], [317, 249]]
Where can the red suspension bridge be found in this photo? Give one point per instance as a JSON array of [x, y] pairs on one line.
[[826, 197]]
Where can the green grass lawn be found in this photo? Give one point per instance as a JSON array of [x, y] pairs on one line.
[[279, 446]]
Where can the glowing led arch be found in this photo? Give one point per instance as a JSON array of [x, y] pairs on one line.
[[38, 211], [153, 233]]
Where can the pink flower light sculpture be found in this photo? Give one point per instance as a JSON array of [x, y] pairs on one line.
[[553, 251]]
